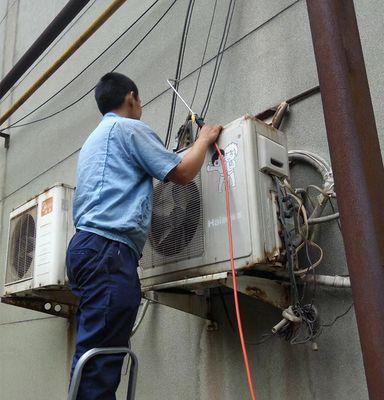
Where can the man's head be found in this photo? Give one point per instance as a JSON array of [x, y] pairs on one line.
[[116, 92]]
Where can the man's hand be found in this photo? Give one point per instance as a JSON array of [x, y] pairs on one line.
[[210, 133], [191, 164]]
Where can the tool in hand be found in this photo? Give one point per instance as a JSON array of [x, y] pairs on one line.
[[194, 116]]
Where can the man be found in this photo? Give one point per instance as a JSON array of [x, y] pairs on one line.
[[112, 214]]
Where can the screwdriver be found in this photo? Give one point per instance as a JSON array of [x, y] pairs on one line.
[[194, 116]]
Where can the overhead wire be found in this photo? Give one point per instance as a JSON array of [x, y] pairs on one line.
[[16, 123], [204, 53], [52, 46], [159, 94], [338, 317], [188, 74], [241, 38], [179, 67], [7, 12], [154, 98], [219, 58]]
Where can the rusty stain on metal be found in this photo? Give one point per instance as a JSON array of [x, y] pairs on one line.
[[263, 296], [358, 170], [266, 290], [277, 119], [272, 255], [256, 292]]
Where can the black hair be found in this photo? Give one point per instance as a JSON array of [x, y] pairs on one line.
[[111, 91]]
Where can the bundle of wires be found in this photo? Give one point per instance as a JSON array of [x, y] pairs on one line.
[[306, 326], [216, 69], [179, 67]]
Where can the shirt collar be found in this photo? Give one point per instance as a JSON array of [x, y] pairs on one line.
[[110, 114]]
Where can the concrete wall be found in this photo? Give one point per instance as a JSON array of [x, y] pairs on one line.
[[179, 358]]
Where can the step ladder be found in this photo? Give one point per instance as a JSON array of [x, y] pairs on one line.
[[105, 350]]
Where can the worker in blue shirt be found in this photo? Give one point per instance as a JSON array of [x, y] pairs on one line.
[[112, 213]]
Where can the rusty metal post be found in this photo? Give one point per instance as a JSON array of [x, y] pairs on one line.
[[358, 170]]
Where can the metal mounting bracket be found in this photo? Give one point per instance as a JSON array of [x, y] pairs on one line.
[[187, 302], [42, 305], [275, 293]]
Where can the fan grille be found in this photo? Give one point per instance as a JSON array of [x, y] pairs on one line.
[[176, 232], [21, 250]]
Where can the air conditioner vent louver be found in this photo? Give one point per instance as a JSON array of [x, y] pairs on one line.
[[176, 231], [22, 246]]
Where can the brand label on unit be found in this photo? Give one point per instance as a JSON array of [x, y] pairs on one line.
[[222, 220], [47, 206]]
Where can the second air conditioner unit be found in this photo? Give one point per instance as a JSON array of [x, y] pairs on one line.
[[39, 231], [188, 237]]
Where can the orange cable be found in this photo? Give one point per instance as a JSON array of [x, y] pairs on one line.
[[230, 237]]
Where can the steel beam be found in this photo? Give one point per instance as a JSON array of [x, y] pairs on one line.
[[50, 33], [358, 170]]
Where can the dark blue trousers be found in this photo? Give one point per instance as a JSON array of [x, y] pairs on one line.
[[102, 275]]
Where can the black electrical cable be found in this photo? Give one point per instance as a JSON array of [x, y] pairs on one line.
[[226, 49], [287, 240], [90, 90], [7, 12], [179, 67], [246, 35], [196, 69], [218, 56], [226, 311], [223, 42], [266, 337], [80, 73], [338, 317], [204, 53]]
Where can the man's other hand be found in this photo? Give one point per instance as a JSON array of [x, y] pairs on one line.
[[210, 133]]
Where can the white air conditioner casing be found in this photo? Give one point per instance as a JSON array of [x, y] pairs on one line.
[[39, 231], [189, 238]]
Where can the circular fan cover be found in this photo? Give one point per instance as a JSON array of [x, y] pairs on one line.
[[175, 218], [23, 245]]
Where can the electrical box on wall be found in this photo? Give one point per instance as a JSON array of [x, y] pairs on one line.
[[39, 232], [188, 237]]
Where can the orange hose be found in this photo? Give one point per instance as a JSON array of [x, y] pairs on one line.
[[231, 256]]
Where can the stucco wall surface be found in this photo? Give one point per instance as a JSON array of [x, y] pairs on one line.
[[179, 357]]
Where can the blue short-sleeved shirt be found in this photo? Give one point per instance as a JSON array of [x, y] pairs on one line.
[[113, 197]]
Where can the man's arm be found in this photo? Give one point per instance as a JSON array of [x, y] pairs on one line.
[[192, 162]]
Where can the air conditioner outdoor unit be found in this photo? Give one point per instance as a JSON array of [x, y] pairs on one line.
[[188, 237], [39, 231]]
